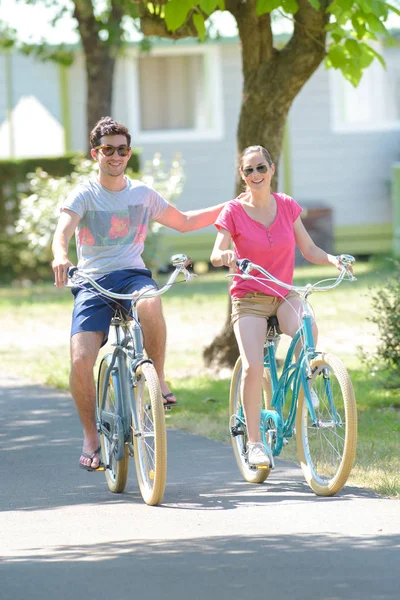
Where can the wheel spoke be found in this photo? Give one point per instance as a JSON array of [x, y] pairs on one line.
[[327, 448], [116, 471], [238, 426]]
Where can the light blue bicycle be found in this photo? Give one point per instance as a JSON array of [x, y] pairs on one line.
[[311, 399], [129, 403]]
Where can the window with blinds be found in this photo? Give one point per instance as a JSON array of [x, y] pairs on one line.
[[179, 95], [171, 90]]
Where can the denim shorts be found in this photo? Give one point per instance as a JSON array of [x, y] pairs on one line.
[[93, 312]]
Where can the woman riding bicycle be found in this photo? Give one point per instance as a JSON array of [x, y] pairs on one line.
[[264, 227]]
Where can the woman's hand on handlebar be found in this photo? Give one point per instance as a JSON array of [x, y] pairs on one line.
[[228, 258], [334, 260], [343, 261]]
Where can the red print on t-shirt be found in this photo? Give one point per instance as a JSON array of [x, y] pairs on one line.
[[119, 227], [85, 237]]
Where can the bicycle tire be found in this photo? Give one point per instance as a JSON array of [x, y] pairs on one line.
[[239, 441], [327, 451], [149, 435], [116, 472]]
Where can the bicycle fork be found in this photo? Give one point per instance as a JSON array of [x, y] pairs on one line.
[[110, 424]]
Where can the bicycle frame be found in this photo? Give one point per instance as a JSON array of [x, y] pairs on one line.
[[294, 374], [119, 424]]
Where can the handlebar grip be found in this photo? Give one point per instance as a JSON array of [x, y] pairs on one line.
[[346, 260], [242, 264], [180, 260], [71, 271]]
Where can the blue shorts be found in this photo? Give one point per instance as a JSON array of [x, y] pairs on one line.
[[93, 312]]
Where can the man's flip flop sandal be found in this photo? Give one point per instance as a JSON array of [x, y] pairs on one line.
[[168, 402], [101, 467]]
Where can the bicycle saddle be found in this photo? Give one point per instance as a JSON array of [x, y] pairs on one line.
[[273, 327]]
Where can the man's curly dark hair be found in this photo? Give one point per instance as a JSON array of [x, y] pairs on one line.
[[107, 126]]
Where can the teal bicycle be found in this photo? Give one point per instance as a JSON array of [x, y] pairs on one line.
[[310, 399]]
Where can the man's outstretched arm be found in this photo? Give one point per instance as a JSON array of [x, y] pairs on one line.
[[191, 219]]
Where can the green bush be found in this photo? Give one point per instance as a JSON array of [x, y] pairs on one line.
[[13, 183], [386, 316]]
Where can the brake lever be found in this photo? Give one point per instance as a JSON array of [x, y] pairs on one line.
[[189, 276], [73, 277], [348, 273], [350, 276], [242, 275]]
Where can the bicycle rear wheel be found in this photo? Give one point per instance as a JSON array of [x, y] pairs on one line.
[[149, 435], [237, 422], [327, 449], [117, 470]]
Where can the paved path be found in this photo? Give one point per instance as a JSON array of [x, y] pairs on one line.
[[63, 535]]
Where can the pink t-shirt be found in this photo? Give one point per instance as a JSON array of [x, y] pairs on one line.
[[272, 247]]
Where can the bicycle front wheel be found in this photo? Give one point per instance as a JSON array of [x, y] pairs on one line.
[[117, 470], [327, 448], [149, 435], [238, 424]]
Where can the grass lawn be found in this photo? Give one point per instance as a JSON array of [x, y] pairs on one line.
[[35, 325]]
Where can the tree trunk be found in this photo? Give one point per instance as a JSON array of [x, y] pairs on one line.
[[100, 57], [223, 351], [100, 71], [271, 80]]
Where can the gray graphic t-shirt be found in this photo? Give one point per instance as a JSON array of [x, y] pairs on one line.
[[113, 225]]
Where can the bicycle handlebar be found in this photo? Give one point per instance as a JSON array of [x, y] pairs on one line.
[[346, 260], [179, 261]]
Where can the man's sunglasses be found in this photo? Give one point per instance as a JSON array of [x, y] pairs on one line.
[[109, 150], [260, 169]]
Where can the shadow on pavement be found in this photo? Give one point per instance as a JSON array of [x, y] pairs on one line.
[[218, 568], [40, 441]]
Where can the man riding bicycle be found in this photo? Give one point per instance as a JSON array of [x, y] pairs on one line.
[[110, 216]]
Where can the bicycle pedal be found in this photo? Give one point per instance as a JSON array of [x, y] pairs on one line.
[[235, 431]]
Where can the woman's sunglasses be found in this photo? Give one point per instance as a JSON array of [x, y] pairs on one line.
[[109, 150], [260, 169]]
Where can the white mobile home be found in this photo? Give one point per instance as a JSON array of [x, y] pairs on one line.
[[185, 98]]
